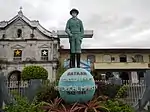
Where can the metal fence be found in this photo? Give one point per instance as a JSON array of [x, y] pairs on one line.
[[17, 86], [134, 92]]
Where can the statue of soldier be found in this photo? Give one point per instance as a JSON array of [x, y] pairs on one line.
[[75, 31]]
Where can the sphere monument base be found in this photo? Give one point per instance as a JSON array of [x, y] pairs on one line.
[[76, 85]]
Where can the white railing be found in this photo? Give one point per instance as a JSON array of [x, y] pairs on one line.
[[135, 92], [17, 84]]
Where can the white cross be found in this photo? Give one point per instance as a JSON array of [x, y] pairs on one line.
[[44, 53], [20, 8]]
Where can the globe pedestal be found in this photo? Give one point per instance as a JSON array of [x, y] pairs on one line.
[[76, 85]]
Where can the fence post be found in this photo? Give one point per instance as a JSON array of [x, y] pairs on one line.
[[139, 104], [148, 107]]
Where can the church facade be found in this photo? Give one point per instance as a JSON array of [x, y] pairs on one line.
[[24, 42]]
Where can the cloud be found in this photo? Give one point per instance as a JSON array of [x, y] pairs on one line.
[[116, 23]]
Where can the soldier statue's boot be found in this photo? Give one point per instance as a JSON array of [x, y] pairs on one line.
[[72, 60], [78, 60]]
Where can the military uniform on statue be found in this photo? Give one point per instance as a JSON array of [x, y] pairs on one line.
[[75, 31]]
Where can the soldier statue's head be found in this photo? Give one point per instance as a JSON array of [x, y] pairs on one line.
[[74, 12]]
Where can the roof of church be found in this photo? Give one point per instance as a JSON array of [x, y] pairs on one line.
[[34, 24]]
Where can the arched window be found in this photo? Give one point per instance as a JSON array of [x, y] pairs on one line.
[[91, 58], [15, 76], [106, 58], [123, 58], [3, 36], [139, 58], [19, 33], [14, 79]]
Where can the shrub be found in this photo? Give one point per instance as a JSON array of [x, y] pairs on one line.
[[60, 71], [23, 105], [92, 106], [59, 106], [105, 89], [122, 93], [34, 72], [47, 93], [118, 106], [52, 106], [71, 108], [96, 76]]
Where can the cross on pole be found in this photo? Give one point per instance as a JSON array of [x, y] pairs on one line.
[[63, 34]]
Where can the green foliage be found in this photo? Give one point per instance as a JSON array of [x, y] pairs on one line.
[[23, 105], [122, 93], [47, 92], [96, 76], [60, 71], [92, 106], [118, 106], [59, 106], [34, 72], [52, 105], [71, 108], [109, 90]]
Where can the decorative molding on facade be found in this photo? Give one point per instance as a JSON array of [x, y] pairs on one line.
[[17, 47], [30, 59], [33, 24], [44, 46]]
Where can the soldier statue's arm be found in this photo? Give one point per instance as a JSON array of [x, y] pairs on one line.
[[67, 29], [81, 29]]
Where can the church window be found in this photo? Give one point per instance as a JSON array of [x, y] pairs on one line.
[[19, 33], [44, 55], [139, 58], [17, 55], [106, 58], [3, 36], [123, 58]]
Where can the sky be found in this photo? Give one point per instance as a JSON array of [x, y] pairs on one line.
[[116, 23]]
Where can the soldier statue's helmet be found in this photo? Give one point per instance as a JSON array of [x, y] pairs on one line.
[[74, 10]]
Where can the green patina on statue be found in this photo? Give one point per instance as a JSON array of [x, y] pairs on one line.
[[75, 31]]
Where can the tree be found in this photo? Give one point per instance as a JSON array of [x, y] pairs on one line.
[[34, 72]]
